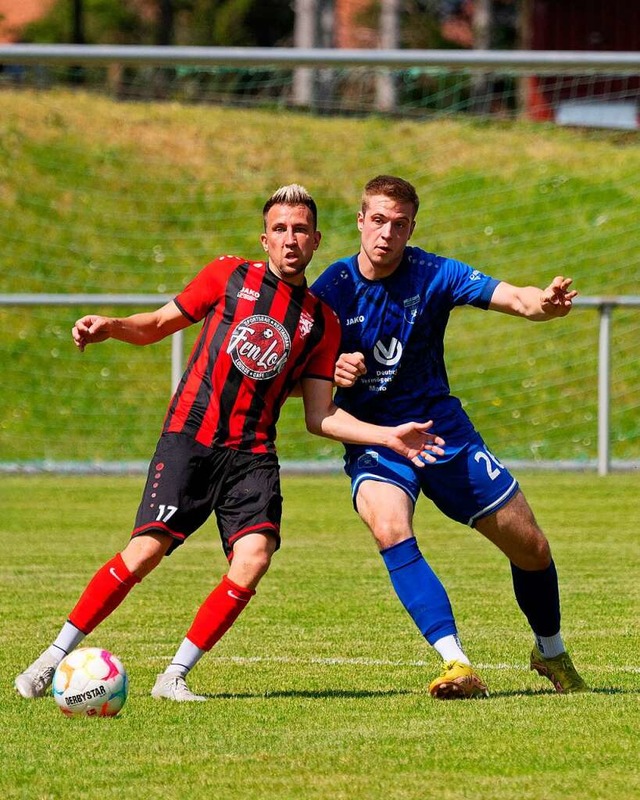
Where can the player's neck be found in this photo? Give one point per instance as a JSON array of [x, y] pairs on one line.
[[375, 272], [292, 277]]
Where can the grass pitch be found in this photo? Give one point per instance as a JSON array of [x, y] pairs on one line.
[[319, 690]]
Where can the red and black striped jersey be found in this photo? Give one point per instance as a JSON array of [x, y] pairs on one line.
[[260, 336]]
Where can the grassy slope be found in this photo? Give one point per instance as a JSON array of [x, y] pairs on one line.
[[104, 196]]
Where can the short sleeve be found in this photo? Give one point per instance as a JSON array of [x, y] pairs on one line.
[[468, 286], [205, 290]]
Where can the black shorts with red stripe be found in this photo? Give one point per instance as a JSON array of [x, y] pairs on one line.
[[187, 482]]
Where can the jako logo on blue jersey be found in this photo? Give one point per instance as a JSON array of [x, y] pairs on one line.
[[354, 320], [388, 355]]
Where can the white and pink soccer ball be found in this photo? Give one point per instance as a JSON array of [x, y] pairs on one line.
[[90, 682]]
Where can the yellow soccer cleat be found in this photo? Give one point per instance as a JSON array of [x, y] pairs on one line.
[[457, 681], [560, 671]]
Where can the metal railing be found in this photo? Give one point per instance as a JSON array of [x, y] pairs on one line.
[[605, 306], [313, 67], [523, 61]]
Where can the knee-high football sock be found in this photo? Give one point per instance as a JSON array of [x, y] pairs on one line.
[[218, 613], [104, 593], [538, 596], [419, 590]]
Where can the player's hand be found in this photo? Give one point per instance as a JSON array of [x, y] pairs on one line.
[[413, 441], [349, 367], [557, 300], [90, 330]]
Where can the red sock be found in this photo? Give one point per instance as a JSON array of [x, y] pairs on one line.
[[104, 593], [218, 613]]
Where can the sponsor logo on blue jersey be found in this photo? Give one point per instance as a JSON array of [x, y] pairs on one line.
[[388, 355]]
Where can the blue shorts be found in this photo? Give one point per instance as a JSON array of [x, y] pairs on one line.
[[467, 484]]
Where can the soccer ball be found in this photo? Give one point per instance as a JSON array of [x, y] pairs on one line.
[[90, 682]]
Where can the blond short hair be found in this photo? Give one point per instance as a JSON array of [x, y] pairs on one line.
[[291, 195]]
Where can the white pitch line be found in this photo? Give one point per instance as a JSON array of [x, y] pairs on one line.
[[375, 662]]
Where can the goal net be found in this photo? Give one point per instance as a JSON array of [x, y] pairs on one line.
[[129, 178]]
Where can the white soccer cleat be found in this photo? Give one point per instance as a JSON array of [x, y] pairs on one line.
[[36, 679], [174, 687]]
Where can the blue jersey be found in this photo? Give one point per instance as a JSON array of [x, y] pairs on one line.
[[399, 323]]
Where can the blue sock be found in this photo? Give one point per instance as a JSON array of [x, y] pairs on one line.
[[538, 597], [419, 590]]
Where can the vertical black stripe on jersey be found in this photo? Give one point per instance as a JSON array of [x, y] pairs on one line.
[[313, 339], [290, 322], [213, 342], [316, 334], [186, 376], [236, 377]]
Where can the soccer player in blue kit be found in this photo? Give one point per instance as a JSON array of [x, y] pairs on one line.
[[394, 302]]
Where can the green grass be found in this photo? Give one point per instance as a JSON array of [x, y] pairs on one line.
[[102, 196], [319, 690]]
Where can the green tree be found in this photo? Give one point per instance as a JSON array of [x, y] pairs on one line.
[[249, 23], [237, 23]]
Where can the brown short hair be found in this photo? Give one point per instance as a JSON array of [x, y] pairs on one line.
[[291, 195], [390, 186]]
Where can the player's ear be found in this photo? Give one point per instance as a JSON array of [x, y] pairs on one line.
[[316, 239], [411, 229], [360, 220], [263, 240]]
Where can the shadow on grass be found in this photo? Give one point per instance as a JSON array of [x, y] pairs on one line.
[[326, 694], [320, 694], [603, 690], [357, 694]]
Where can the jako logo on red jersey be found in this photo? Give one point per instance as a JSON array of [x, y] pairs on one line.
[[259, 347], [248, 294]]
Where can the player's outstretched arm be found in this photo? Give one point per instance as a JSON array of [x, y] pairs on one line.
[[140, 329], [324, 418], [538, 305]]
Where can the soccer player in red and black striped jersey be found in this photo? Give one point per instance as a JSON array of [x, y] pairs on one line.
[[263, 334]]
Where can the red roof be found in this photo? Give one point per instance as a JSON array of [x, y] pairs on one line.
[[15, 15]]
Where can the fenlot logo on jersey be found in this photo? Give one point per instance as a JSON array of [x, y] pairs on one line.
[[259, 347]]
